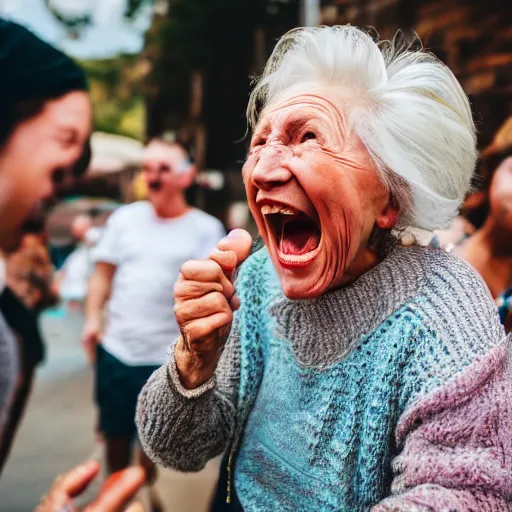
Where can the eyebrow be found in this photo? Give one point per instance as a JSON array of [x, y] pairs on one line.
[[293, 125], [296, 125]]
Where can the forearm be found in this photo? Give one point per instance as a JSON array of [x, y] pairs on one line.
[[183, 429], [455, 443], [98, 292]]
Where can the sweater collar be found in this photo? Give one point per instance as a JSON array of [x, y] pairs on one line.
[[323, 330]]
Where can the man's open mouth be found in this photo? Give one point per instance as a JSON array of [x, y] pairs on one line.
[[296, 235], [155, 186]]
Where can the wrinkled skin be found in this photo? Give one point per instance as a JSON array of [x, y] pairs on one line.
[[38, 148], [304, 154]]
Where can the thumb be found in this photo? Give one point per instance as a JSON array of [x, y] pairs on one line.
[[240, 242], [232, 251]]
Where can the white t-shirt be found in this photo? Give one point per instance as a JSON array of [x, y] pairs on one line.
[[149, 252], [76, 272]]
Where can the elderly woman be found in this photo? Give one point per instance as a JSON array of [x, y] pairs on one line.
[[358, 373]]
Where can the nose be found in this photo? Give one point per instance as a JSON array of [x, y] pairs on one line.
[[272, 169], [150, 173]]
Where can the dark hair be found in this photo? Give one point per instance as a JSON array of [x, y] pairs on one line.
[[36, 225], [11, 116], [82, 164], [33, 72]]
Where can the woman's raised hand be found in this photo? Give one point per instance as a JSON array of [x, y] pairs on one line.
[[204, 302]]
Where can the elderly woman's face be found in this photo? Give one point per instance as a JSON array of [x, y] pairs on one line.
[[314, 194]]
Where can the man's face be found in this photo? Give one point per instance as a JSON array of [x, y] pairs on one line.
[[37, 150], [314, 193], [167, 171]]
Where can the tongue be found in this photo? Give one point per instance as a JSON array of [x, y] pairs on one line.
[[299, 237]]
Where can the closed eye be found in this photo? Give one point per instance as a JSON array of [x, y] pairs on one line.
[[67, 138], [308, 136]]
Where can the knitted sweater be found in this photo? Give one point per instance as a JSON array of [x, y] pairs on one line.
[[391, 394]]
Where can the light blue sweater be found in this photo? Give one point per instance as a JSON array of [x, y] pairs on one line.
[[310, 395]]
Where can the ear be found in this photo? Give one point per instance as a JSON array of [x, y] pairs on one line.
[[188, 177], [389, 215]]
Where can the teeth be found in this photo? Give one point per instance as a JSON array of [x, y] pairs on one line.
[[269, 210]]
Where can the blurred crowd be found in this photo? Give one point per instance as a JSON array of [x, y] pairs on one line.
[[120, 273]]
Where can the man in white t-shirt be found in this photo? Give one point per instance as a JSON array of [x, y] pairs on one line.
[[137, 262]]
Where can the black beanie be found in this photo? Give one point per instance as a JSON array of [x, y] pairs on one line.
[[33, 69]]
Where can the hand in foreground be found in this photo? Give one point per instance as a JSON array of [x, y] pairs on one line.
[[204, 301], [114, 497]]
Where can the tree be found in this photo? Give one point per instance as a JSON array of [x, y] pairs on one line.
[[203, 53], [75, 24]]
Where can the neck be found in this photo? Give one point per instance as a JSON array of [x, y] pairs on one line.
[[365, 260], [371, 255], [497, 239], [174, 206]]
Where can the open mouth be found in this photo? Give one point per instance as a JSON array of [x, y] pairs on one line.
[[155, 186], [296, 235]]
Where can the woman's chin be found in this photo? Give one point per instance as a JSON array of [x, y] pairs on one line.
[[300, 288]]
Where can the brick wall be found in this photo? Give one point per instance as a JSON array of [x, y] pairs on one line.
[[473, 37]]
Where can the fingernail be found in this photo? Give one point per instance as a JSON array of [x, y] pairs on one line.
[[233, 234]]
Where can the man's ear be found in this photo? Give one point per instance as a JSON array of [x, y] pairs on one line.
[[389, 215], [189, 176]]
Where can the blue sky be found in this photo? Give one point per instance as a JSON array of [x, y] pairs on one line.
[[109, 35]]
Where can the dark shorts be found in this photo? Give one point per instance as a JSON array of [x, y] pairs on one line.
[[117, 387]]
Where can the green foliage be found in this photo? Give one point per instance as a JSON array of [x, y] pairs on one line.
[[75, 24], [116, 96]]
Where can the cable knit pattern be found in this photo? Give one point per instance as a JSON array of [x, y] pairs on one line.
[[391, 394]]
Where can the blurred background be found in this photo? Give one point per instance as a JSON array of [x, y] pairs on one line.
[[183, 68]]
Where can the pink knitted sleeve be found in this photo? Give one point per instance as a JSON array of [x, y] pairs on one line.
[[456, 443]]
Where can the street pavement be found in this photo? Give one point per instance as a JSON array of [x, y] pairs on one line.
[[57, 432]]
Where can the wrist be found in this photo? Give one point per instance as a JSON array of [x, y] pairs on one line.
[[92, 319], [193, 369]]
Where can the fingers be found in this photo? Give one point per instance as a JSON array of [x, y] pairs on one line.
[[238, 241], [135, 507], [206, 271], [116, 497], [203, 327], [226, 259], [204, 306], [195, 289], [90, 335], [75, 481]]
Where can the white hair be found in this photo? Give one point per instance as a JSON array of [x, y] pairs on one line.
[[405, 105]]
